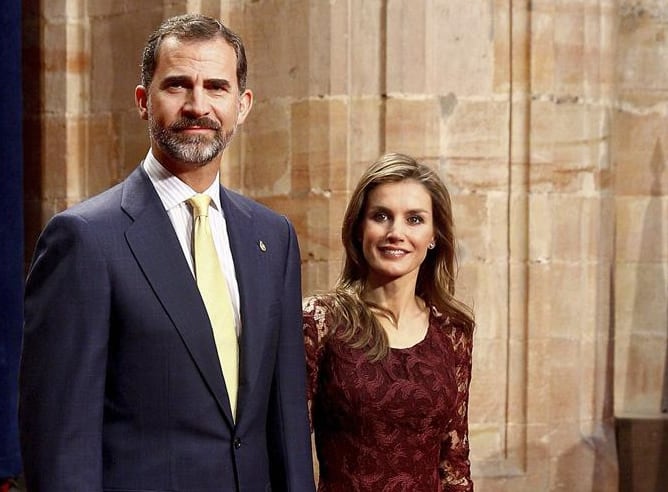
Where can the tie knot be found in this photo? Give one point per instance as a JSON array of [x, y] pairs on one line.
[[200, 204]]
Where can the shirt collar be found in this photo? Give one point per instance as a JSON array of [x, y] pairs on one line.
[[171, 190]]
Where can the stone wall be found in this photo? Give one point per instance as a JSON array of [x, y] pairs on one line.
[[640, 153], [638, 149], [547, 120]]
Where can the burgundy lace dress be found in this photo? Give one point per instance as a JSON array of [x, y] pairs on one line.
[[397, 425]]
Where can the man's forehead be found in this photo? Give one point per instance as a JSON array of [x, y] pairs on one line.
[[215, 56], [217, 47]]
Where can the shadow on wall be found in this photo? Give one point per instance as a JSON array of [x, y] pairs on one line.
[[33, 104], [589, 465], [650, 295], [643, 442], [643, 454]]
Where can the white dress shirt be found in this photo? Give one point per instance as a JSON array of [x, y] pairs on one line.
[[174, 195]]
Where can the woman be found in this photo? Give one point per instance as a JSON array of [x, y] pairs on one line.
[[389, 350]]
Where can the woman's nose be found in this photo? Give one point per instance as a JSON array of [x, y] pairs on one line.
[[395, 232]]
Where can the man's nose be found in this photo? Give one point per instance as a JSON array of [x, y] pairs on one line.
[[196, 104]]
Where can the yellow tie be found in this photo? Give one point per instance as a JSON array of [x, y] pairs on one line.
[[216, 296]]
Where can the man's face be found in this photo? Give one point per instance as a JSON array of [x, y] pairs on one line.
[[193, 105]]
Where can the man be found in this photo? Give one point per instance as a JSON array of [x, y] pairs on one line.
[[125, 383]]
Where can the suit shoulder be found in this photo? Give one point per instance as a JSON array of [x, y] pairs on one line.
[[105, 203], [97, 204], [100, 211], [257, 209], [248, 203]]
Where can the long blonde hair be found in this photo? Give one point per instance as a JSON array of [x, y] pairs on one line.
[[357, 324]]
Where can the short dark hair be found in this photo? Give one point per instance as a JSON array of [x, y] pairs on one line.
[[192, 27]]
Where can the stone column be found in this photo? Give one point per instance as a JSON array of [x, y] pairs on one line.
[[639, 150], [56, 60]]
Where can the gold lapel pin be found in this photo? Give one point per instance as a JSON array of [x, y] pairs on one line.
[[262, 246]]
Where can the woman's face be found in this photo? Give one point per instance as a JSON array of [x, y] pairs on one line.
[[397, 227]]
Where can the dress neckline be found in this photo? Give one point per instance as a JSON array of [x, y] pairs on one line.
[[419, 342]]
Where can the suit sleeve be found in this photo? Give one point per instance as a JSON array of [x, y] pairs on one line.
[[63, 362], [289, 435]]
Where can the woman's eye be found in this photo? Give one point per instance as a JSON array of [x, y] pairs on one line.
[[380, 216], [415, 219]]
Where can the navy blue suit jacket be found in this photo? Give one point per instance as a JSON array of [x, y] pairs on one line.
[[120, 385]]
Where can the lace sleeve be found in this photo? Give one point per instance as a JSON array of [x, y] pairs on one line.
[[315, 332], [455, 467]]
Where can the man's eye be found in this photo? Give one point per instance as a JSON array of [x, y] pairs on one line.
[[216, 88]]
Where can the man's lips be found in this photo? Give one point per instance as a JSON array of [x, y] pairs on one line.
[[197, 129], [203, 124]]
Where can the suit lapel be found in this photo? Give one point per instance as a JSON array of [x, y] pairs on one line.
[[250, 265], [152, 239]]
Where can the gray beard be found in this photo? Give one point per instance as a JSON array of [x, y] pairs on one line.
[[196, 150]]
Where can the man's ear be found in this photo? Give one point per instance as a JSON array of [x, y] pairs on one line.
[[245, 105], [141, 100]]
